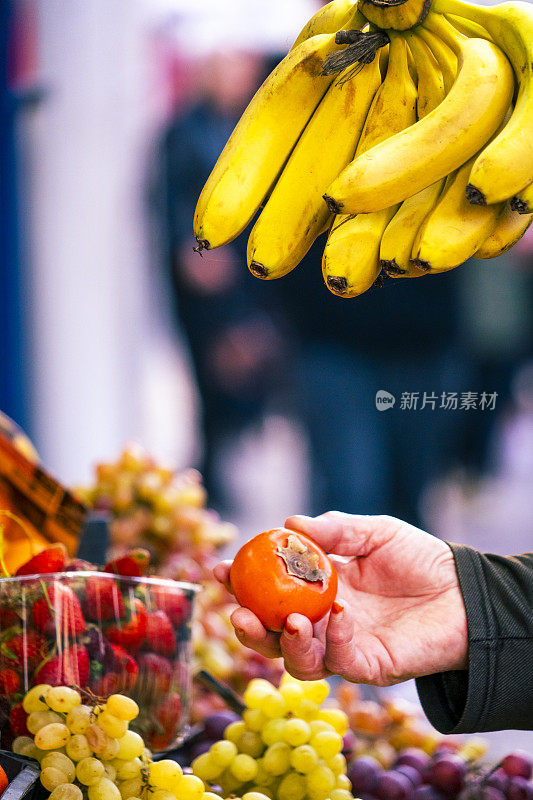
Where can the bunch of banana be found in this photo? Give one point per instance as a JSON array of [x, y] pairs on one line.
[[414, 155]]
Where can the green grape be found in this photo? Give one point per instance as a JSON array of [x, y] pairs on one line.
[[191, 787], [77, 747], [111, 750], [273, 731], [62, 762], [89, 771], [318, 725], [343, 782], [67, 791], [122, 707], [34, 699], [62, 699], [254, 719], [250, 743], [112, 725], [292, 787], [166, 774], [130, 746], [131, 788], [234, 731], [97, 738], [21, 743], [104, 790], [303, 759], [340, 794], [210, 796], [206, 768], [38, 719], [110, 771], [255, 795], [126, 770], [273, 705], [229, 783], [337, 764], [276, 758], [79, 719], [306, 709], [335, 717], [243, 768], [296, 732], [263, 777], [316, 691], [162, 794], [52, 736], [320, 782], [256, 691], [293, 694], [51, 778], [223, 752], [327, 744]]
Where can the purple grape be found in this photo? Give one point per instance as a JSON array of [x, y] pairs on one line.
[[215, 724], [409, 772], [517, 763], [448, 773], [413, 757], [498, 780], [394, 786], [198, 748], [348, 743], [363, 774], [426, 793], [519, 788]]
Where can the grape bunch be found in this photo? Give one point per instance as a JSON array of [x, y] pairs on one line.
[[285, 746]]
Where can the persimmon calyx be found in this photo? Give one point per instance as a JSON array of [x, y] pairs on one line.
[[301, 561]]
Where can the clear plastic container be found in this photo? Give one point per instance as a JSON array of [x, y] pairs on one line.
[[102, 634]]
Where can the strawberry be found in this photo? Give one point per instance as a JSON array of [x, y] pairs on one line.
[[105, 685], [17, 720], [69, 668], [134, 564], [173, 602], [52, 559], [103, 601], [130, 633], [155, 674], [126, 666], [79, 565], [9, 682], [8, 617], [165, 717], [24, 648], [160, 637], [61, 609]]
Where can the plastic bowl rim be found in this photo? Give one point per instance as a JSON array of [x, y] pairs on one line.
[[83, 573]]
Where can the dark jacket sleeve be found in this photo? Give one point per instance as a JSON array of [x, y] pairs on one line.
[[496, 691]]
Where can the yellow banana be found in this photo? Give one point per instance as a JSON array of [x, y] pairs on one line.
[[510, 227], [261, 143], [436, 145], [469, 28], [505, 167], [295, 213], [398, 16], [350, 264], [445, 57], [455, 229], [334, 16], [523, 201], [431, 91]]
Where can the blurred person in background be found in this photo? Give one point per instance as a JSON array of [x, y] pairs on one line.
[[228, 316]]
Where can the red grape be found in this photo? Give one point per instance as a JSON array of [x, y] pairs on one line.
[[215, 724], [448, 773], [497, 779], [413, 757], [519, 788], [409, 772], [394, 786], [426, 793], [517, 763], [363, 774]]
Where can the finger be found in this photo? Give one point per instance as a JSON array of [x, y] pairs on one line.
[[251, 633], [345, 534], [303, 654], [340, 656], [221, 573]]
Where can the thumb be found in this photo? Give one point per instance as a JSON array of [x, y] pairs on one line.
[[345, 534]]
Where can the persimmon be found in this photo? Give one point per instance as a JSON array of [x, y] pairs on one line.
[[280, 572]]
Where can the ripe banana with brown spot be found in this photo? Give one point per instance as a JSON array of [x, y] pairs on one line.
[[436, 145], [455, 229], [397, 16], [261, 143], [510, 227], [334, 16], [505, 167], [295, 213], [522, 202]]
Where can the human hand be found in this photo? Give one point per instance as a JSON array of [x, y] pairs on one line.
[[399, 612]]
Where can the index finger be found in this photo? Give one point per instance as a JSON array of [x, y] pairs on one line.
[[221, 573], [345, 534]]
